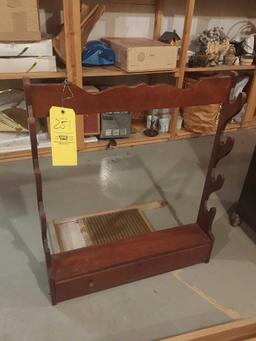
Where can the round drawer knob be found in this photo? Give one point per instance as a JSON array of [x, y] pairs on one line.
[[91, 283]]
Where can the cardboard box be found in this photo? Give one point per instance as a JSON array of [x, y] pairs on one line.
[[141, 54], [28, 64], [19, 20], [41, 48]]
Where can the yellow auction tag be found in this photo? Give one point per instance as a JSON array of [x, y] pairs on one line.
[[63, 136]]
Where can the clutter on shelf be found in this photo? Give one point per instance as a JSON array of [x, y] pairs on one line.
[[115, 125], [204, 118], [10, 98], [10, 142], [171, 38], [28, 49], [27, 57], [97, 53], [142, 54], [21, 47], [89, 17], [164, 120], [247, 59], [14, 134], [152, 124], [245, 42], [13, 120], [13, 114], [213, 47], [19, 21], [158, 121], [92, 121], [230, 56], [27, 64], [240, 85]]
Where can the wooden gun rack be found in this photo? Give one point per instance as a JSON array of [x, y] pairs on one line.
[[96, 267]]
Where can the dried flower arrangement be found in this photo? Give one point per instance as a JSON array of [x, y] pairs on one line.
[[211, 46]]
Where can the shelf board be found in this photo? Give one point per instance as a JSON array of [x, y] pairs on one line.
[[111, 71], [94, 71], [183, 133], [136, 139], [221, 68], [250, 124], [35, 75]]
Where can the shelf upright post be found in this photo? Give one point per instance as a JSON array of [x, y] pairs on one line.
[[251, 104], [158, 18], [183, 58], [72, 27]]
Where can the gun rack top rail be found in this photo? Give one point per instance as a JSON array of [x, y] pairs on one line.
[[125, 98]]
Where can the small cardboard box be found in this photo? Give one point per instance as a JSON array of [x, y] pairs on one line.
[[19, 20], [41, 48], [28, 64], [142, 54]]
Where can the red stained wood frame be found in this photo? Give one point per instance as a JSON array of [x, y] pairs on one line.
[[78, 272], [124, 98], [91, 124], [221, 148]]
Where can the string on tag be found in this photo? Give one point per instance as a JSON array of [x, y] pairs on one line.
[[69, 95]]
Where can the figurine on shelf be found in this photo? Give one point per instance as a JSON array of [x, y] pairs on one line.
[[248, 50], [230, 56], [247, 59], [171, 38], [152, 123], [248, 44], [245, 49]]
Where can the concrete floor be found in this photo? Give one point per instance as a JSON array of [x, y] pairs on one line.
[[164, 305]]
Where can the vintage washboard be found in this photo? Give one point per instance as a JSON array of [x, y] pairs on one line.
[[103, 265]]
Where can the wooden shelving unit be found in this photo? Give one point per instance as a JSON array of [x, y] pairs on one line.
[[95, 71], [183, 133], [136, 139], [77, 74], [113, 71], [220, 68], [34, 75]]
